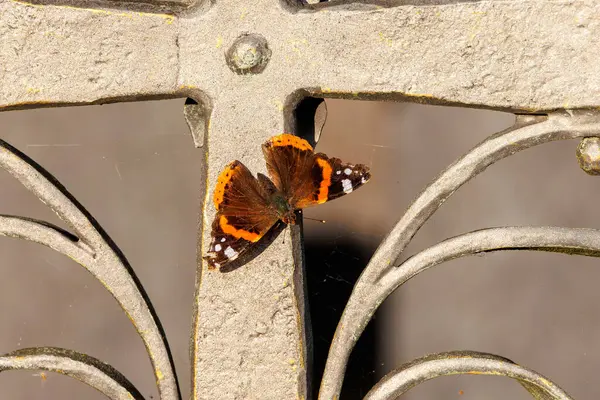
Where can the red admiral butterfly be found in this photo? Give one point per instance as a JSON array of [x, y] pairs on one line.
[[248, 207]]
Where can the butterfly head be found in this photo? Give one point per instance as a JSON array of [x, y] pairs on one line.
[[289, 218]]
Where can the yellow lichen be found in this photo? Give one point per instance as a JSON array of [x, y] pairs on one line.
[[385, 39]]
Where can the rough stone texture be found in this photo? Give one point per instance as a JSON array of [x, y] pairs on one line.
[[51, 55], [248, 338]]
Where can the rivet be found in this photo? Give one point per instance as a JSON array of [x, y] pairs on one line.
[[249, 54]]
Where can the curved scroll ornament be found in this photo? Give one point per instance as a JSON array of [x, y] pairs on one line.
[[380, 278], [90, 247], [418, 371], [84, 368]]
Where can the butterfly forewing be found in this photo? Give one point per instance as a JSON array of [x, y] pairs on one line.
[[344, 178], [243, 214], [306, 178], [288, 157]]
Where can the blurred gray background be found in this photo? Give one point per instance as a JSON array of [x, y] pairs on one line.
[[134, 167]]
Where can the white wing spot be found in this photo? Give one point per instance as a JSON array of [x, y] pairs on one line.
[[363, 180], [222, 240], [217, 247], [347, 171], [231, 253], [347, 185], [338, 172], [217, 265]]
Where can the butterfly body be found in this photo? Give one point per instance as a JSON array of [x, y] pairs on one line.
[[282, 208], [247, 207]]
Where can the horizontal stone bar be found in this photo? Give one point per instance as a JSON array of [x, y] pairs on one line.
[[53, 55], [526, 55]]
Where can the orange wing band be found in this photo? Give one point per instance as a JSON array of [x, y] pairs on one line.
[[287, 139], [326, 182], [222, 181], [237, 233]]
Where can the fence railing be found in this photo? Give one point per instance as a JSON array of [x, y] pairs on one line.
[[246, 68]]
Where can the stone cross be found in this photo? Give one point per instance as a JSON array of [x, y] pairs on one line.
[[247, 66]]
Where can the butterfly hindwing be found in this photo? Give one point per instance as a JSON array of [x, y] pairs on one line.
[[243, 214], [307, 178], [224, 247]]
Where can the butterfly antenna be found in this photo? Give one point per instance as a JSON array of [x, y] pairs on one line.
[[314, 219]]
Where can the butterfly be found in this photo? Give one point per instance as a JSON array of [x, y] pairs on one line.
[[248, 207]]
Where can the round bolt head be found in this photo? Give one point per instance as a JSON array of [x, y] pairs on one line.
[[249, 54], [588, 154]]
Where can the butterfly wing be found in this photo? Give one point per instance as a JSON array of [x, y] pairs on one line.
[[306, 178], [338, 178], [243, 214]]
